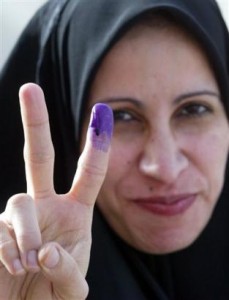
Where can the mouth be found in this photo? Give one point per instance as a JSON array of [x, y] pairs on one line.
[[167, 206]]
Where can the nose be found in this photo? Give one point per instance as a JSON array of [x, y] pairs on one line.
[[162, 158]]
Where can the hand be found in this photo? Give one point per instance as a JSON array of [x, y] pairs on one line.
[[45, 238]]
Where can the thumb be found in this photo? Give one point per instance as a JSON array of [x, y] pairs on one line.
[[61, 269]]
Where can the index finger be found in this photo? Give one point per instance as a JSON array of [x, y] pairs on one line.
[[93, 162], [38, 148]]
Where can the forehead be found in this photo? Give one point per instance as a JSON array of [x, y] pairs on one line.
[[145, 33], [151, 51], [158, 27]]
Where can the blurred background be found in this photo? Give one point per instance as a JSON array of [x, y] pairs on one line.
[[14, 15]]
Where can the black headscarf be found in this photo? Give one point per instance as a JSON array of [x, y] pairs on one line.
[[61, 49]]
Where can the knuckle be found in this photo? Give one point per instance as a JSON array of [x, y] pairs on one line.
[[42, 157], [6, 249], [18, 201], [92, 169], [26, 236], [28, 240], [21, 217], [38, 123], [3, 233], [7, 243]]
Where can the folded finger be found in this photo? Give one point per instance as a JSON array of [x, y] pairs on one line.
[[21, 216], [62, 270], [93, 162], [38, 149], [9, 253]]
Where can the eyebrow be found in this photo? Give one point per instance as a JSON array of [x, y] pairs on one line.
[[177, 100], [182, 97]]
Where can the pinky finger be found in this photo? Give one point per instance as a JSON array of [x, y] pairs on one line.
[[9, 253]]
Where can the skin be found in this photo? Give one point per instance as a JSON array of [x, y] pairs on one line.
[[45, 238], [171, 138]]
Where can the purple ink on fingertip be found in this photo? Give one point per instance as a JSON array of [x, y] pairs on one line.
[[102, 125]]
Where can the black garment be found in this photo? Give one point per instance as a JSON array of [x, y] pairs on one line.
[[61, 49]]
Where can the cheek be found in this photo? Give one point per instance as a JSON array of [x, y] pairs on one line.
[[209, 154], [122, 161], [122, 157]]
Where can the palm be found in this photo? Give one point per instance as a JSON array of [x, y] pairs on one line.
[[71, 232], [69, 224]]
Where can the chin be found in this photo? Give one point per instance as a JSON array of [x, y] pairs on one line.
[[164, 236], [163, 247], [167, 242]]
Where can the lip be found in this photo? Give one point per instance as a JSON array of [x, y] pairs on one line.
[[167, 206]]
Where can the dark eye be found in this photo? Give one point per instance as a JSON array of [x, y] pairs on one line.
[[123, 115], [194, 110]]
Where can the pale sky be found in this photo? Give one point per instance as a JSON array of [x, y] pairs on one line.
[[14, 14]]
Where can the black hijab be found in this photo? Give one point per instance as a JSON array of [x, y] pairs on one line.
[[60, 49]]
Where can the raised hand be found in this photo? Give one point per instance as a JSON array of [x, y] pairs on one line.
[[45, 238]]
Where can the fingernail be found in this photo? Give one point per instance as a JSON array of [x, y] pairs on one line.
[[32, 262], [50, 257], [17, 267], [102, 125]]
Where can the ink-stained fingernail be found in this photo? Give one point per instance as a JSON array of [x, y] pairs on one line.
[[102, 125]]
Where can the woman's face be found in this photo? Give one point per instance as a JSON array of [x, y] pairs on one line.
[[170, 142]]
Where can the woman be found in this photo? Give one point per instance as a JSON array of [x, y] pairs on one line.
[[161, 217]]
